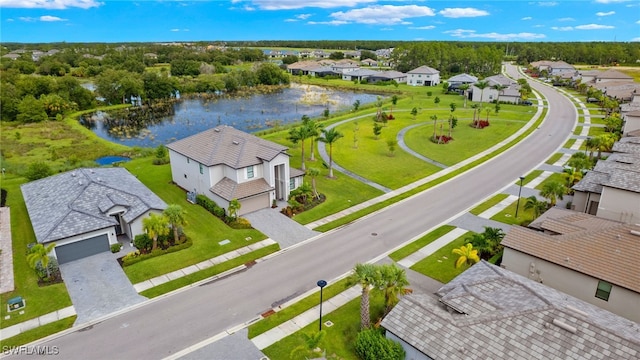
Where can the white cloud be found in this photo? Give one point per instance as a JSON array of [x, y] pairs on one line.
[[562, 28], [635, 39], [174, 30], [465, 34], [10, 20], [547, 3], [27, 19], [526, 18], [610, 1], [295, 4], [383, 14], [594, 27], [600, 13], [638, 22], [462, 12], [333, 22], [51, 18], [428, 27], [49, 4], [567, 19], [249, 8], [303, 16]]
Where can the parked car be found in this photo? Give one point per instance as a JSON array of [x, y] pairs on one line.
[[526, 102]]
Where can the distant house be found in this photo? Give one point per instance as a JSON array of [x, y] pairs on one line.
[[224, 164], [423, 76], [510, 93], [83, 211], [612, 75], [491, 313], [391, 75], [604, 272], [630, 113], [358, 74], [461, 79], [369, 62], [11, 56]]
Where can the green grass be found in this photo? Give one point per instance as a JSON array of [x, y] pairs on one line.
[[297, 308], [39, 332], [488, 204], [420, 243], [530, 176], [441, 264], [577, 130], [553, 158], [209, 272], [507, 215], [569, 143], [553, 177], [596, 130], [339, 339]]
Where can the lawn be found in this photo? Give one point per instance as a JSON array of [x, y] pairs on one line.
[[553, 158], [38, 333], [488, 204], [203, 228], [441, 264], [508, 215], [596, 130], [530, 176], [420, 243], [559, 177]]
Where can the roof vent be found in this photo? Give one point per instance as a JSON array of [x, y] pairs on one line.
[[635, 232], [91, 171], [80, 182], [73, 174], [561, 324], [235, 142], [577, 311], [216, 130]]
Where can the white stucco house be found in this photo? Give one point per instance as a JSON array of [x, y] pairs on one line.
[[84, 211], [423, 76], [224, 164]]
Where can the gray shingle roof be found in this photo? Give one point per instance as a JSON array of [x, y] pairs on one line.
[[463, 78], [502, 315], [226, 145], [424, 70], [621, 170], [76, 202]]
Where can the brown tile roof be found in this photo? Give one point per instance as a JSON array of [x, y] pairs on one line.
[[598, 247], [228, 146], [229, 189], [293, 172], [492, 313], [613, 74]]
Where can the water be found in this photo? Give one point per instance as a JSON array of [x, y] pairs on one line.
[[108, 160], [250, 114]]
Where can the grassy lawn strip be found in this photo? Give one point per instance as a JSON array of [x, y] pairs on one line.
[[297, 308], [569, 143], [596, 130], [209, 272], [553, 177], [488, 204], [555, 157], [507, 215], [530, 176], [420, 243], [441, 264], [340, 338], [39, 332]]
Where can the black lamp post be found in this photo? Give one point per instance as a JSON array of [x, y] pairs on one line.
[[322, 284], [519, 193]]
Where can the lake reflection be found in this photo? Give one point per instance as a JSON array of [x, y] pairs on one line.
[[253, 113]]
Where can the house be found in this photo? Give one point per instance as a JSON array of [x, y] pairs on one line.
[[11, 56], [83, 211], [510, 93], [358, 74], [631, 122], [224, 164], [390, 75], [553, 67], [604, 272], [369, 62], [612, 75], [461, 79], [423, 76], [612, 189], [491, 313]]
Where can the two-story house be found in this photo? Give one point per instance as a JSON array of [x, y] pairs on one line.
[[224, 164], [423, 76]]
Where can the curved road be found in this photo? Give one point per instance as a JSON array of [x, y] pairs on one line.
[[167, 325]]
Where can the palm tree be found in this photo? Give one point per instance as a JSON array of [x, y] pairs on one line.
[[580, 161], [466, 255], [500, 88], [535, 205], [177, 217], [464, 88], [40, 254], [155, 225], [299, 134], [312, 342], [482, 84], [367, 276], [488, 242], [329, 137], [393, 283], [313, 173], [553, 190], [605, 143], [234, 207], [592, 144], [314, 128], [434, 117], [572, 175]]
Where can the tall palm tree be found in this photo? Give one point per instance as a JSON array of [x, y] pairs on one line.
[[155, 225], [314, 128], [592, 144], [605, 143], [536, 206], [553, 190], [367, 276], [313, 173], [299, 135], [393, 283], [40, 254], [572, 175], [482, 84], [500, 88], [464, 88], [466, 255], [330, 137], [177, 218], [434, 117]]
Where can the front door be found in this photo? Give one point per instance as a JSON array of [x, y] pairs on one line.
[[119, 224]]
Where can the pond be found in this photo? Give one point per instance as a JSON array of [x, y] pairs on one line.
[[136, 127], [108, 160]]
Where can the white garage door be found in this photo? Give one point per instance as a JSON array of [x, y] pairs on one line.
[[254, 203]]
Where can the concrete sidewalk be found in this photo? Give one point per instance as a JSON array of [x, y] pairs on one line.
[[16, 329]]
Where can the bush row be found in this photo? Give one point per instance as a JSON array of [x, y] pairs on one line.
[[136, 257], [212, 207]]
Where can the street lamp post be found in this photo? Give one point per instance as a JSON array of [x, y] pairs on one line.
[[321, 284], [519, 193]]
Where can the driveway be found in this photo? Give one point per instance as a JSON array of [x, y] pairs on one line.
[[279, 227], [98, 287]]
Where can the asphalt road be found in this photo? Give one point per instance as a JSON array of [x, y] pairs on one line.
[[170, 324]]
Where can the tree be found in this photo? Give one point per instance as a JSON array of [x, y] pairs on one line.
[[482, 84], [553, 190], [234, 207], [536, 206], [453, 107], [38, 170], [158, 86], [391, 145], [155, 226], [40, 254], [271, 74], [311, 345], [299, 134], [367, 276], [394, 101], [488, 242], [414, 112], [313, 173], [466, 255], [464, 88], [393, 283], [330, 136], [592, 144], [580, 161], [336, 55], [313, 128], [377, 130], [436, 100], [31, 110], [356, 105], [434, 117], [500, 88], [177, 217], [572, 175]]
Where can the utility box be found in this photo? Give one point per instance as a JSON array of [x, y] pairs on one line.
[[15, 303]]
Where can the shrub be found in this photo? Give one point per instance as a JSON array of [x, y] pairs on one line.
[[161, 161], [38, 170], [390, 117], [115, 248], [372, 345], [143, 243], [137, 256], [3, 197], [240, 223], [480, 124], [54, 269], [441, 139]]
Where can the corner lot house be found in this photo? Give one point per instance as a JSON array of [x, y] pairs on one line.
[[223, 164], [423, 76], [491, 313], [84, 210]]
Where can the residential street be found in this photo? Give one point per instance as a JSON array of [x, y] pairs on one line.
[[170, 324]]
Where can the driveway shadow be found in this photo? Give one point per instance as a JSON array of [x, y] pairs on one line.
[[98, 286]]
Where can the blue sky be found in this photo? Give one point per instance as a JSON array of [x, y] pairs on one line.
[[173, 20]]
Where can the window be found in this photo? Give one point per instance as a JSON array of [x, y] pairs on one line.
[[188, 161], [201, 169], [292, 184], [604, 290], [250, 173]]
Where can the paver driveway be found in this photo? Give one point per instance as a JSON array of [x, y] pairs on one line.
[[98, 286]]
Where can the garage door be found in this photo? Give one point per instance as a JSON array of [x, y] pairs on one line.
[[254, 203], [83, 248]]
